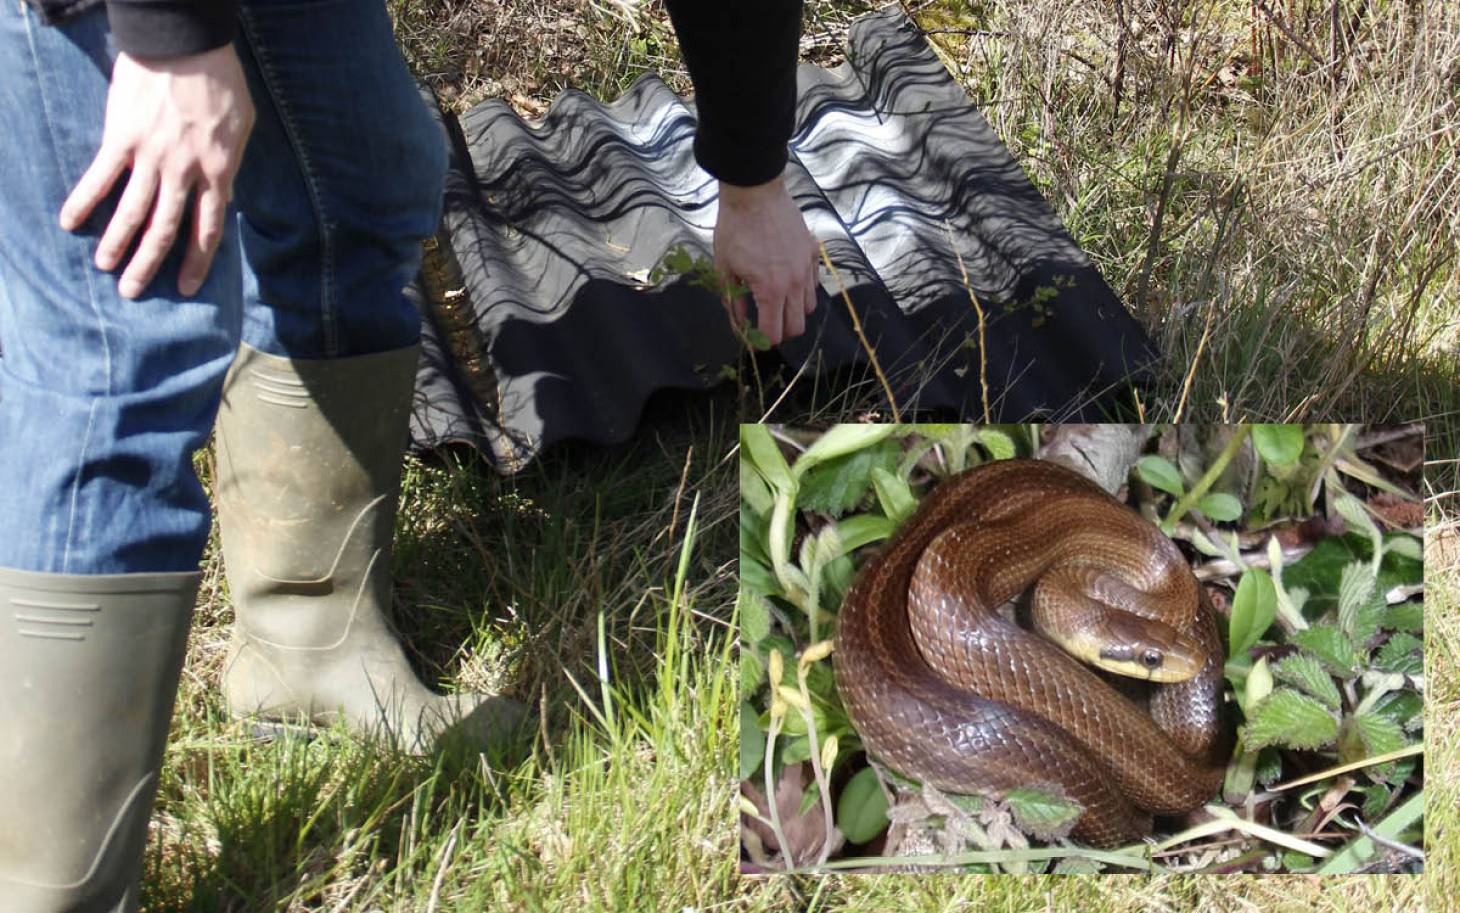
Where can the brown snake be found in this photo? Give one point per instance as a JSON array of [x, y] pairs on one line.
[[943, 689]]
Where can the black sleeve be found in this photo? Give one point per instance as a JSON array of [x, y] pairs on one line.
[[171, 28], [741, 55]]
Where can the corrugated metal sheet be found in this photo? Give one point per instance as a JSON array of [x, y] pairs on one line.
[[539, 324]]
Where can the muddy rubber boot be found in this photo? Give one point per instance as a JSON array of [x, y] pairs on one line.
[[309, 461], [88, 674]]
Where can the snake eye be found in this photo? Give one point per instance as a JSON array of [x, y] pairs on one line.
[[1151, 659]]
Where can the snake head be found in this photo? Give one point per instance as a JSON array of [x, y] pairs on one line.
[[1146, 648]]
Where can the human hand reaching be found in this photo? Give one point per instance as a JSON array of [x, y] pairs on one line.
[[180, 124], [762, 242]]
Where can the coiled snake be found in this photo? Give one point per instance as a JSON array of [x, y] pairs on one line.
[[943, 689]]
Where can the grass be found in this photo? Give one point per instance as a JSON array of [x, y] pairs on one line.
[[522, 573], [1280, 217]]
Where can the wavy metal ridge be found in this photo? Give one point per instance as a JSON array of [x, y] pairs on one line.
[[539, 325]]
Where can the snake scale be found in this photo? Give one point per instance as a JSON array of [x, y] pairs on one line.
[[943, 689]]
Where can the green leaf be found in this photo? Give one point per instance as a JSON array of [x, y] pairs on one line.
[[757, 577], [1078, 865], [1369, 735], [1042, 815], [1159, 473], [795, 750], [862, 529], [1280, 445], [1402, 653], [753, 536], [1376, 799], [1319, 571], [1220, 507], [1306, 672], [755, 617], [1404, 616], [758, 340], [840, 441], [1360, 604], [752, 741], [935, 430], [1291, 719], [1400, 706], [1296, 862], [754, 493], [1353, 512], [893, 494], [839, 484], [999, 445], [1253, 608], [765, 456], [1258, 684], [1405, 547], [752, 670], [836, 579], [808, 798], [861, 810], [1331, 646], [1269, 766]]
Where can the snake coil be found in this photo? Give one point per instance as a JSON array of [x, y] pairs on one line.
[[945, 690]]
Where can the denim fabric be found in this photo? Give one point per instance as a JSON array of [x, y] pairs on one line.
[[103, 400]]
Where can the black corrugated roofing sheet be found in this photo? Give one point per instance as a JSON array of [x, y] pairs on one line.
[[540, 325]]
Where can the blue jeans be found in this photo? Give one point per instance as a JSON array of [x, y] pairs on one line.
[[103, 400]]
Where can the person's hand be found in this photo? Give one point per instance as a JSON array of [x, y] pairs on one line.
[[180, 125], [762, 242]]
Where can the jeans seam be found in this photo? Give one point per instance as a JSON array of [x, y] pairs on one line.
[[327, 304], [76, 489]]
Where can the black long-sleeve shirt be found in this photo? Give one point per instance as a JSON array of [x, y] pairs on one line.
[[741, 56]]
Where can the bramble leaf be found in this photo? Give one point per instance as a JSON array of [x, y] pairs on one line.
[[1402, 653], [1291, 719], [839, 484], [1306, 672], [1331, 646], [1042, 815]]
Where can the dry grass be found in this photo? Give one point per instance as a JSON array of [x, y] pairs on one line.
[[1273, 187], [1284, 181]]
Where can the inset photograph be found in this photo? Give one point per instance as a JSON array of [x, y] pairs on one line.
[[1082, 648]]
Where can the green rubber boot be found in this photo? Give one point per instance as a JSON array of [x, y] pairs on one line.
[[309, 461], [88, 675]]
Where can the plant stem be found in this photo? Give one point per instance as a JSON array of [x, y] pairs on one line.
[[822, 783], [770, 792], [1209, 478]]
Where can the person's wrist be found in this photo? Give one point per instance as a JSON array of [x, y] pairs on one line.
[[740, 196]]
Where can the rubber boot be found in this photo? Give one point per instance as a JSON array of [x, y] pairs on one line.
[[309, 461], [88, 675]]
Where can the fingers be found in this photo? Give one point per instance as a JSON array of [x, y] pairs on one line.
[[203, 239], [770, 307], [181, 125], [162, 230], [794, 310], [93, 187], [131, 214]]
